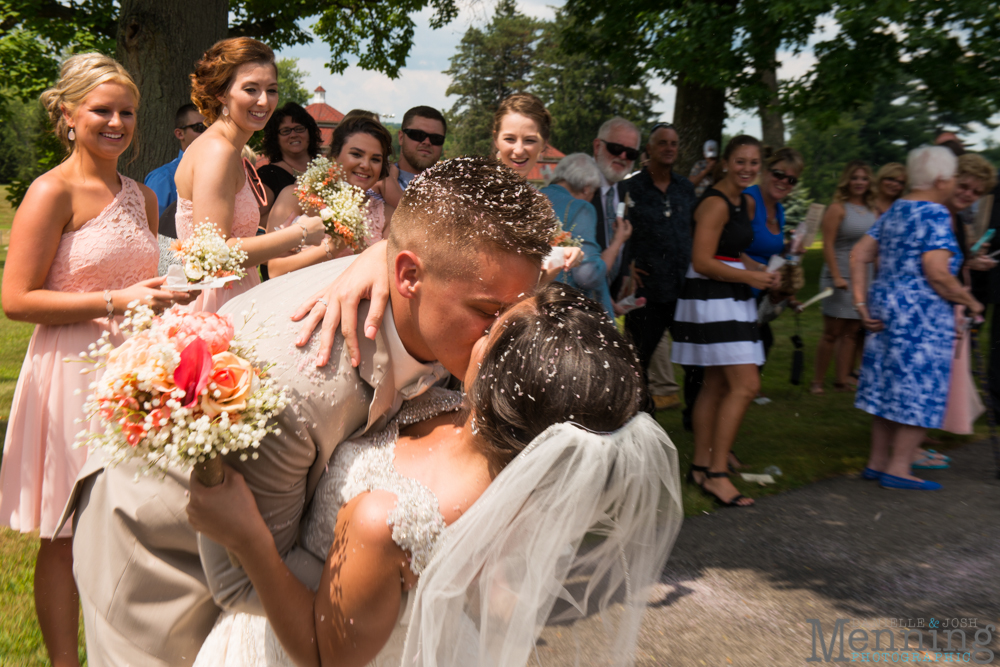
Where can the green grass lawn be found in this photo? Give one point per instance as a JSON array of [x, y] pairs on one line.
[[808, 437]]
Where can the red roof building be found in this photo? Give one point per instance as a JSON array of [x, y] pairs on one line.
[[547, 161], [325, 116]]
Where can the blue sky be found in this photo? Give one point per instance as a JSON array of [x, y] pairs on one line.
[[422, 80]]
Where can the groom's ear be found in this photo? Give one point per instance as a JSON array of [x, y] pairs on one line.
[[408, 273]]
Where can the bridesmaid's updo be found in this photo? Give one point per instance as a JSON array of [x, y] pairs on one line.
[[529, 106], [557, 359], [81, 74], [214, 73]]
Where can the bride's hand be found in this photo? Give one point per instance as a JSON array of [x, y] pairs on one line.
[[226, 514], [337, 303]]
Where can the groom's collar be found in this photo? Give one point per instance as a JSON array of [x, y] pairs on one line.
[[393, 373]]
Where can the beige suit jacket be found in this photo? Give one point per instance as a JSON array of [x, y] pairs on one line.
[[145, 593]]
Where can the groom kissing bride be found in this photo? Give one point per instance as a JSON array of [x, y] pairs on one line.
[[360, 531]]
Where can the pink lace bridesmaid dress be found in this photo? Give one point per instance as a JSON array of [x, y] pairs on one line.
[[246, 219], [112, 251]]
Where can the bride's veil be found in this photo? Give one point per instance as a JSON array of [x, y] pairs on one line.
[[574, 526]]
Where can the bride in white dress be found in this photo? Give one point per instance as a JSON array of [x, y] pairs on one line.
[[421, 570]]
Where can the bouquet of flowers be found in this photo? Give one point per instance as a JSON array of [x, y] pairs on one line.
[[324, 188], [560, 240], [206, 260], [180, 390]]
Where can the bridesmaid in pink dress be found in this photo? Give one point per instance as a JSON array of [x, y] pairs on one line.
[[361, 145], [235, 87], [83, 246]]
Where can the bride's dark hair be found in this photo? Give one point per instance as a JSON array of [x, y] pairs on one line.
[[560, 359]]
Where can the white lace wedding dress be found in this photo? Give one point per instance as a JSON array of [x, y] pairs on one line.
[[358, 465]]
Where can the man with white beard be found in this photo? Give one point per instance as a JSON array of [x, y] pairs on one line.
[[615, 150]]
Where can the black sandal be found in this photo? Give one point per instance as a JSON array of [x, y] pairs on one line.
[[692, 470], [732, 502]]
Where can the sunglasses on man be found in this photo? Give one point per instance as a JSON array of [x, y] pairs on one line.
[[197, 127], [617, 149], [782, 176], [419, 136]]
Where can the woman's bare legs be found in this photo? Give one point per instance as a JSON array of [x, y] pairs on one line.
[[727, 392], [845, 351], [894, 446], [57, 602]]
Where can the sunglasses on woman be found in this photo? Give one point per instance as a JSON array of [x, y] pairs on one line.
[[297, 129], [617, 149], [782, 176], [419, 135]]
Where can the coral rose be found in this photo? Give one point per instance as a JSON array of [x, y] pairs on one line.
[[147, 357], [233, 380]]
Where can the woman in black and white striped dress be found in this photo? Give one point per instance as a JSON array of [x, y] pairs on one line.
[[715, 324]]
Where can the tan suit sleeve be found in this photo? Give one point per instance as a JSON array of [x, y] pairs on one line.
[[326, 405]]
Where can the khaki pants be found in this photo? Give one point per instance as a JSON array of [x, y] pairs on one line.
[[661, 370]]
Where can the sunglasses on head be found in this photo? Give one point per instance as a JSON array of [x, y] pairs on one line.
[[419, 135], [617, 149], [297, 129], [197, 127], [782, 176]]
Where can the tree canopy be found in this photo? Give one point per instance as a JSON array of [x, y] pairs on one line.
[[160, 41], [516, 53]]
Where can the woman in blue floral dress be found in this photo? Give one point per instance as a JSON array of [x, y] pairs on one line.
[[907, 358]]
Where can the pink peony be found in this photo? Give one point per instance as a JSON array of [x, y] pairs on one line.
[[182, 326]]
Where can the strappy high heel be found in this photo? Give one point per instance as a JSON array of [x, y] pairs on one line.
[[692, 470], [732, 502]]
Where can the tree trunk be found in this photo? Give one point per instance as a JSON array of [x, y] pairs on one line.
[[158, 43], [699, 114], [771, 122]]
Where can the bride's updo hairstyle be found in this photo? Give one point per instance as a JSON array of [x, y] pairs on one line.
[[467, 204], [81, 74], [214, 73], [557, 359]]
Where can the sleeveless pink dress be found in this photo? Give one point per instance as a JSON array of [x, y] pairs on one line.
[[246, 219], [112, 251]]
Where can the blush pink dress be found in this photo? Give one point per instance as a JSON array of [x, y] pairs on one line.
[[112, 251], [246, 219]]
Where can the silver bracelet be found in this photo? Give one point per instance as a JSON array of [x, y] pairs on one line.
[[859, 304], [109, 305]]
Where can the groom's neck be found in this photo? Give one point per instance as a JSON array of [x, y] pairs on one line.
[[406, 327]]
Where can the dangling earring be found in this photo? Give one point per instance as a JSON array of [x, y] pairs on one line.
[[225, 110], [474, 426], [71, 135]]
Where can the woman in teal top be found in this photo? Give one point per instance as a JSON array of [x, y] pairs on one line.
[[573, 184]]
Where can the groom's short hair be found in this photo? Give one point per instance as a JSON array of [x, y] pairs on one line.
[[468, 204]]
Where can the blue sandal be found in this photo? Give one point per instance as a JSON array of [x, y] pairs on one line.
[[930, 462]]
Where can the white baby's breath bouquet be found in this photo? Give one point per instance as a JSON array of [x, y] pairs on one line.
[[206, 256], [323, 187]]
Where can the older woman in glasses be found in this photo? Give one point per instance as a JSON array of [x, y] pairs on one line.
[[291, 140], [846, 220]]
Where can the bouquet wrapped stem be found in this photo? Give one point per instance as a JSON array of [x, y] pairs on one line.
[[209, 472]]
